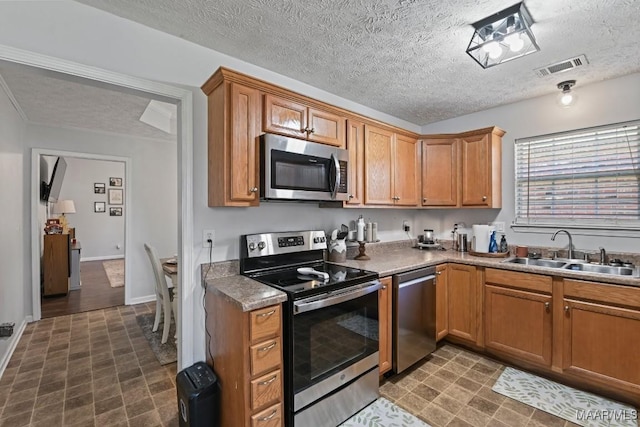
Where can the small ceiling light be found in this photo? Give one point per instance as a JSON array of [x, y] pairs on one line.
[[566, 98], [502, 37]]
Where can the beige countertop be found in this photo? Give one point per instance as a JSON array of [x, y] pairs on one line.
[[386, 260]]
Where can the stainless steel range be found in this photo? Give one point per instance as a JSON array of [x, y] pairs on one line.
[[330, 325]]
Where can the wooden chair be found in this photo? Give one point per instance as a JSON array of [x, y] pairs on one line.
[[163, 299]]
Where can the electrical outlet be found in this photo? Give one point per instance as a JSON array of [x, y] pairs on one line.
[[405, 226], [499, 226], [206, 235]]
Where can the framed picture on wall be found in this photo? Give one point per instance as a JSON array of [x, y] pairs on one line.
[[99, 207], [115, 182], [115, 211], [99, 188], [115, 196]]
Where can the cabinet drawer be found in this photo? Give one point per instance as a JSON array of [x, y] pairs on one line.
[[265, 323], [270, 417], [628, 296], [513, 279], [266, 390], [265, 356]]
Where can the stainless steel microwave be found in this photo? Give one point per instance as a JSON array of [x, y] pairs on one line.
[[294, 169]]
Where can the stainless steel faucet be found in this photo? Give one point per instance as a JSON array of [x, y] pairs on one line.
[[603, 255], [570, 252]]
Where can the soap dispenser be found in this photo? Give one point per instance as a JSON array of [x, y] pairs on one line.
[[360, 228], [504, 248]]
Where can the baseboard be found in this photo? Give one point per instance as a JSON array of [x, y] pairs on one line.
[[142, 300], [12, 346], [101, 258]]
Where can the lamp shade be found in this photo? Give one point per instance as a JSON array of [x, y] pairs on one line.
[[502, 37], [64, 207]]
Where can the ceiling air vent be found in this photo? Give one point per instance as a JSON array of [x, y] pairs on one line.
[[558, 67]]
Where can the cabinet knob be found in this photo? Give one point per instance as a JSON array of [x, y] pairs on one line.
[[438, 273], [484, 198], [308, 131], [547, 306], [253, 190], [384, 287], [351, 196], [424, 200], [566, 309], [312, 130]]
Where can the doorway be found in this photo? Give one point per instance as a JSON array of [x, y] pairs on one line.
[[178, 96], [87, 203]]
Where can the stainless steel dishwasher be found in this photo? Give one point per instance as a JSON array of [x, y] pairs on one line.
[[414, 316]]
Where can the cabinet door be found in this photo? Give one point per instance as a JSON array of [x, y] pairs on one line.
[[55, 264], [476, 170], [378, 168], [406, 169], [462, 301], [384, 334], [440, 172], [355, 145], [244, 130], [442, 318], [327, 128], [284, 117], [518, 323], [602, 344]]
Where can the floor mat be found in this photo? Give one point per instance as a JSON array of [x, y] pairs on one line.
[[577, 406], [115, 272], [165, 353], [383, 413]]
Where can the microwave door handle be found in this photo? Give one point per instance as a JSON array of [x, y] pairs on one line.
[[336, 176]]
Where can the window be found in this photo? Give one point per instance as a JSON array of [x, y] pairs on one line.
[[582, 177]]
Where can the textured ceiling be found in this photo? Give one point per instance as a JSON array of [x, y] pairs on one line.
[[51, 99], [403, 57]]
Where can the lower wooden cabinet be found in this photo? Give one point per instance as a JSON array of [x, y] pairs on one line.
[[462, 302], [518, 323], [442, 311], [601, 340], [247, 354], [55, 264], [385, 319]]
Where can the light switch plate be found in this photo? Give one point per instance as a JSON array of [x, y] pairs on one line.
[[499, 226]]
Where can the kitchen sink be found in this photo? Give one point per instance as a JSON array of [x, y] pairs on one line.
[[549, 263], [603, 269]]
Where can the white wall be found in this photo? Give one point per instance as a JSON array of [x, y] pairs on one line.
[[14, 301], [610, 101], [100, 234], [153, 188]]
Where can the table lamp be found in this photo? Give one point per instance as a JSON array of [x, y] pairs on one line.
[[63, 207]]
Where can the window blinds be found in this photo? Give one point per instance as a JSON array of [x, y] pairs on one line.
[[583, 177]]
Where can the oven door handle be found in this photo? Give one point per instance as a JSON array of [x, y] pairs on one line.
[[301, 306], [336, 177]]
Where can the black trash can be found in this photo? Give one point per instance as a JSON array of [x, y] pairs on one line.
[[198, 396]]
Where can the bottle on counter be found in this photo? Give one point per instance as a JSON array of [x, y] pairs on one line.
[[493, 245], [360, 227], [504, 247]]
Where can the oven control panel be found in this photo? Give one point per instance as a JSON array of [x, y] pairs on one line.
[[282, 243]]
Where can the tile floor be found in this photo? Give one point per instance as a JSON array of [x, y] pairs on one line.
[[97, 369], [88, 369], [453, 388]]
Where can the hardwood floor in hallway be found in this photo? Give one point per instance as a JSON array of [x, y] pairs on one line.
[[95, 293]]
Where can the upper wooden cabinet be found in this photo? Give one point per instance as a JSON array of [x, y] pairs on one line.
[[482, 169], [391, 165], [234, 127], [440, 172], [463, 170], [291, 118], [355, 145]]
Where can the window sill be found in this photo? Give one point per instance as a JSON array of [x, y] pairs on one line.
[[607, 230]]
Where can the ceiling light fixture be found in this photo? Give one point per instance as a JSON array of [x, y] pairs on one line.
[[502, 37], [566, 98]]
